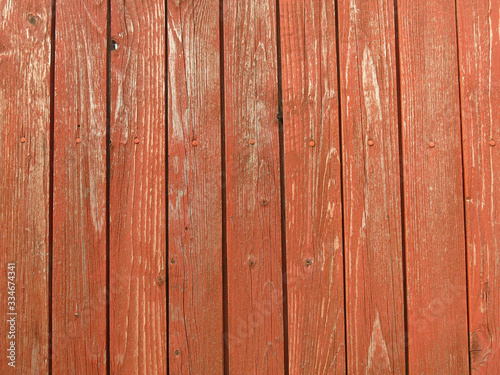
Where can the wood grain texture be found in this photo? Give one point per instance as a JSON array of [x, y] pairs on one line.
[[25, 49], [315, 278], [433, 190], [254, 269], [194, 188], [372, 202], [479, 41], [79, 242], [137, 189]]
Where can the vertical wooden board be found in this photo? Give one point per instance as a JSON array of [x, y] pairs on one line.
[[254, 270], [433, 192], [194, 188], [479, 41], [372, 188], [25, 49], [312, 176], [79, 237], [137, 196]]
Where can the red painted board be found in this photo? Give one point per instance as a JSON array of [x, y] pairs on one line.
[[25, 50], [372, 188], [312, 179], [479, 41], [433, 188], [137, 195], [254, 251], [195, 327], [79, 212]]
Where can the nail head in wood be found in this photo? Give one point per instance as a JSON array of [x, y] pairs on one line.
[[252, 141], [432, 144], [195, 143], [308, 262], [23, 139], [78, 140], [492, 143], [312, 143], [136, 141], [371, 142], [32, 19]]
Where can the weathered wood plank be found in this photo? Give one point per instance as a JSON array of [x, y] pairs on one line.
[[194, 188], [25, 49], [372, 202], [137, 198], [312, 174], [479, 40], [254, 269], [433, 191], [79, 243]]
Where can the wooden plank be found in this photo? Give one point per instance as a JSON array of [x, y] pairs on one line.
[[25, 49], [433, 191], [137, 195], [372, 187], [79, 243], [312, 176], [254, 269], [479, 42], [194, 188]]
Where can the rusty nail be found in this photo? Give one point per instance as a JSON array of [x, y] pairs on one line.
[[252, 141], [432, 144], [265, 202], [195, 143], [308, 262], [371, 142], [312, 143], [492, 143], [23, 139], [78, 140], [172, 261], [251, 262], [177, 352]]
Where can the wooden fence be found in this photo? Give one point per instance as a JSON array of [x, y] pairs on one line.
[[250, 187]]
